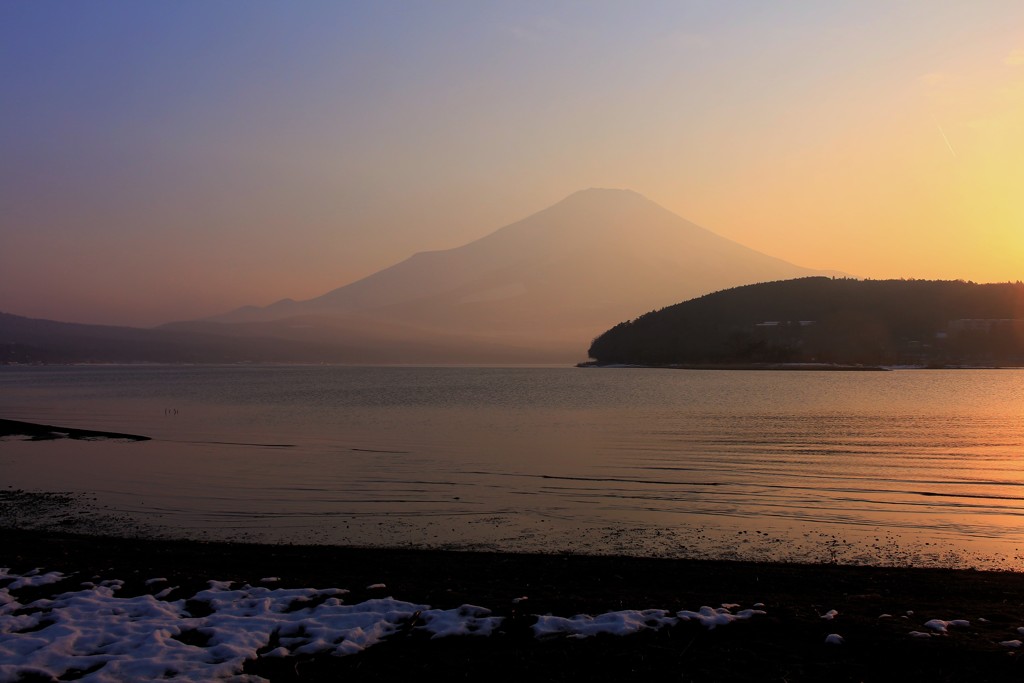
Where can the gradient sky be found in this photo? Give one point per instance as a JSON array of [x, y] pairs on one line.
[[170, 160]]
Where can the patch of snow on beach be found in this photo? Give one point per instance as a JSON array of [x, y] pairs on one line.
[[32, 578], [96, 636], [619, 623], [467, 620], [145, 638], [712, 617], [625, 622], [943, 626]]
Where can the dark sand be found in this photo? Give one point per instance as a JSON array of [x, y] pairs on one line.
[[787, 644]]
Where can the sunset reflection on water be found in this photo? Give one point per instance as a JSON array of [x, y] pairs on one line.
[[899, 467]]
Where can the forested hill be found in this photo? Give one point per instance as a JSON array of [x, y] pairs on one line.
[[826, 320]]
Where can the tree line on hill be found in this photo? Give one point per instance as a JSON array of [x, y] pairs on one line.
[[830, 320]]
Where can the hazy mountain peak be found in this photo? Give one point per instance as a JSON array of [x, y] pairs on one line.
[[604, 198], [554, 279], [592, 193]]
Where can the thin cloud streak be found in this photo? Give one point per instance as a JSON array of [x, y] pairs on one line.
[[943, 134]]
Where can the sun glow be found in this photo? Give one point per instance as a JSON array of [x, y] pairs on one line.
[[305, 148]]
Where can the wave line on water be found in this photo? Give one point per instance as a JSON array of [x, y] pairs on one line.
[[374, 450], [832, 489], [230, 443], [801, 475]]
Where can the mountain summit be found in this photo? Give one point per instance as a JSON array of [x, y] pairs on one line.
[[545, 285]]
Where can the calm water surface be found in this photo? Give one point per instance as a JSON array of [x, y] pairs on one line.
[[921, 467]]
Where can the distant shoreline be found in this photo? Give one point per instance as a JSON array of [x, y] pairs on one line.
[[816, 367], [794, 367]]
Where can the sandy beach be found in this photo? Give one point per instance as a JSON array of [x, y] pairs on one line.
[[893, 623]]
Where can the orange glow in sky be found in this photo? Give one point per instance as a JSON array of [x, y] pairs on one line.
[[176, 160]]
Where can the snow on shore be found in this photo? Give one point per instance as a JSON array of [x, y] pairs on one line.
[[149, 638], [618, 623], [92, 634]]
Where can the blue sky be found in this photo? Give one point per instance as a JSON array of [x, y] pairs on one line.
[[164, 160]]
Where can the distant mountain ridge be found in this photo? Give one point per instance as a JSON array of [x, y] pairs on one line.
[[32, 340], [535, 291], [827, 320], [545, 285]]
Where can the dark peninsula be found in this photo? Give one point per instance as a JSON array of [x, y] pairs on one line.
[[841, 322]]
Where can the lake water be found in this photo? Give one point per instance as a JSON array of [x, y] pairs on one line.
[[921, 467]]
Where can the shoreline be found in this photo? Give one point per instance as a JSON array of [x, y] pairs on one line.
[[789, 367], [787, 642], [814, 367]]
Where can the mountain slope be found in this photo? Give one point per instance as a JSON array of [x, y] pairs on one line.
[[549, 282]]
